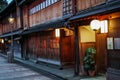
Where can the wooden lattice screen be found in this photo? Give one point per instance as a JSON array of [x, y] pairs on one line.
[[67, 7]]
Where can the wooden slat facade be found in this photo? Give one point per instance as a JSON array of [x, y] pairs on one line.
[[113, 55], [44, 46], [0, 28], [51, 12], [25, 17], [84, 4], [6, 26]]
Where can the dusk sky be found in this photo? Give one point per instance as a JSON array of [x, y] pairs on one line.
[[9, 1]]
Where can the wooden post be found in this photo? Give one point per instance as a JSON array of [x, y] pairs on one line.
[[76, 51]]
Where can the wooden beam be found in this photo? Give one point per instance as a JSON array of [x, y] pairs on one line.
[[76, 51]]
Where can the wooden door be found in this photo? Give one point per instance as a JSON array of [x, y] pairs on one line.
[[84, 46], [101, 52], [67, 47]]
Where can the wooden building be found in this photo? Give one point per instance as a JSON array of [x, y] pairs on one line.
[[46, 37], [41, 33], [58, 32], [8, 29], [105, 40]]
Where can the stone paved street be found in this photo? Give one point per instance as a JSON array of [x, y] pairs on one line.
[[10, 71]]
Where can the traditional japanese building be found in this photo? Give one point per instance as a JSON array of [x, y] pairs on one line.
[[58, 32], [105, 40], [10, 31], [46, 37], [41, 31]]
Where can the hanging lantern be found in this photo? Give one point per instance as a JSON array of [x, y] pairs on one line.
[[95, 24]]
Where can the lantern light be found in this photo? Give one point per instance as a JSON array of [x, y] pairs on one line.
[[57, 32], [95, 24], [2, 41], [104, 26], [11, 19]]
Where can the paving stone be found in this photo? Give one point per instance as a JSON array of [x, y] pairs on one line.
[[10, 71], [32, 77]]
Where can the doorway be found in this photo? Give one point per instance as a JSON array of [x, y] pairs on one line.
[[89, 38]]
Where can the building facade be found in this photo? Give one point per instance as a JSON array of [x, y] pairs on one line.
[[58, 32], [105, 40]]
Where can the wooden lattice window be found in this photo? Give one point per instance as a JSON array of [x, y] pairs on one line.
[[67, 7], [42, 5]]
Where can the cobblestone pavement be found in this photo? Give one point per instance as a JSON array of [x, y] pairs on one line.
[[95, 78], [100, 77], [10, 71]]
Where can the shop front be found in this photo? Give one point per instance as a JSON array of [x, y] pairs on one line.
[[104, 40]]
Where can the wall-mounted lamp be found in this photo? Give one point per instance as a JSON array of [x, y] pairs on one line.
[[11, 20], [2, 41], [95, 24], [57, 32], [104, 26]]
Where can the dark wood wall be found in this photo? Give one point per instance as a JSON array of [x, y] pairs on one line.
[[25, 17], [46, 14], [114, 32], [0, 28], [84, 4], [6, 26], [43, 45]]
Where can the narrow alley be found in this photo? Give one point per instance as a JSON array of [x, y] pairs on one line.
[[10, 71]]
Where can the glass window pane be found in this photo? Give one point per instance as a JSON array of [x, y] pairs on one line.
[[46, 3], [39, 7], [52, 1], [43, 4], [55, 0], [49, 2]]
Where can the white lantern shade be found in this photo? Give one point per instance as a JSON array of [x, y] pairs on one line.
[[2, 41], [95, 24], [57, 32], [104, 26]]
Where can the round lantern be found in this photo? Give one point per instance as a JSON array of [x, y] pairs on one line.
[[95, 24]]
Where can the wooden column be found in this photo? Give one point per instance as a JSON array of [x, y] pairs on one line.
[[76, 51]]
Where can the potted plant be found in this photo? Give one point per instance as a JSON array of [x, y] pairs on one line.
[[89, 61]]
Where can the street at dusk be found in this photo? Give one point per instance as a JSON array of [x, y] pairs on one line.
[[10, 71], [59, 39]]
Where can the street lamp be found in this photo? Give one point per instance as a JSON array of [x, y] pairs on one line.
[[11, 53]]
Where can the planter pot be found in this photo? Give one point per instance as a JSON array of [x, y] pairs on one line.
[[91, 73]]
